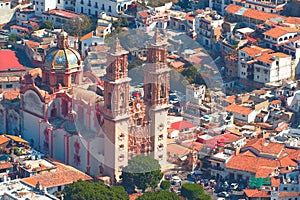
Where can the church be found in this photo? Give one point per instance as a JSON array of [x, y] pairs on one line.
[[96, 125]]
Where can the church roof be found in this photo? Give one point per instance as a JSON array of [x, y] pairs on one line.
[[62, 58]]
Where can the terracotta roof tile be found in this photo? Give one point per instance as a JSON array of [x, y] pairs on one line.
[[62, 13], [143, 14], [255, 193], [264, 146], [62, 176], [230, 99], [87, 36], [182, 125], [239, 109], [280, 31], [255, 50], [292, 20], [3, 139], [251, 13], [5, 165]]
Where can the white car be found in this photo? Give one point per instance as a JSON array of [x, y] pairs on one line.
[[234, 186], [223, 194], [176, 179]]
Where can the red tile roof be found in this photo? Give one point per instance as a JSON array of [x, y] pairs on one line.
[[255, 193], [177, 64], [230, 99], [64, 175], [182, 125], [292, 20], [251, 13], [264, 146], [143, 14], [32, 44], [5, 165], [189, 17], [87, 36], [11, 94], [9, 61], [280, 31], [20, 28], [239, 109], [3, 139], [255, 50], [62, 13]]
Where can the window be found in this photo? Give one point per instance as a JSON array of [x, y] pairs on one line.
[[243, 115], [9, 86], [121, 157], [122, 100], [108, 106], [121, 147], [160, 137], [109, 8], [285, 188], [257, 77]]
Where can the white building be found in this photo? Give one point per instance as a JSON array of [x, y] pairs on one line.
[[195, 93], [96, 37], [158, 17], [272, 67], [242, 113], [273, 6], [59, 17], [6, 11], [95, 7], [208, 27], [286, 40], [246, 60]]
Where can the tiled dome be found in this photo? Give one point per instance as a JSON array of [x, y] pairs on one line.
[[62, 58]]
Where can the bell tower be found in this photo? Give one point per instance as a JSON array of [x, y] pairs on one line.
[[156, 94], [116, 111]]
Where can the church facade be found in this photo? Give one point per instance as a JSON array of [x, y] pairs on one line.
[[65, 114]]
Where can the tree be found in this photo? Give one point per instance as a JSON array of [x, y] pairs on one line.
[[13, 38], [47, 24], [204, 197], [79, 25], [142, 172], [191, 191], [165, 195], [165, 185], [94, 190]]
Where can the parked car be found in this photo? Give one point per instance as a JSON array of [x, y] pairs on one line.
[[223, 194], [168, 176], [175, 180], [234, 186]]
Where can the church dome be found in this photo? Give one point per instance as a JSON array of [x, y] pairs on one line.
[[62, 58]]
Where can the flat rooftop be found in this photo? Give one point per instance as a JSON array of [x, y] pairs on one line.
[[9, 61]]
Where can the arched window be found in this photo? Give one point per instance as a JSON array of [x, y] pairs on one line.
[[53, 111], [162, 91], [108, 106], [149, 94], [122, 100]]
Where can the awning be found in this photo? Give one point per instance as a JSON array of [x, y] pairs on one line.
[[17, 139]]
